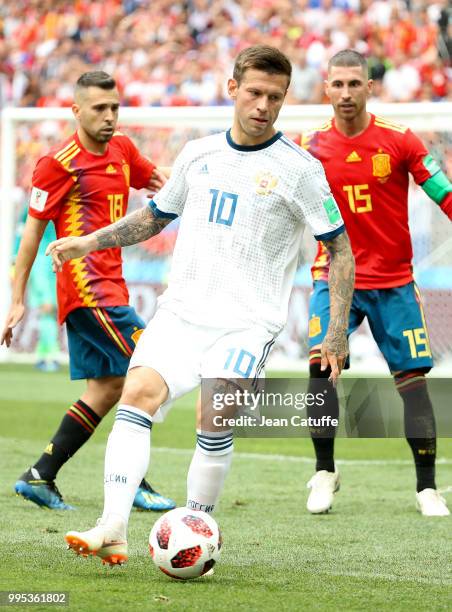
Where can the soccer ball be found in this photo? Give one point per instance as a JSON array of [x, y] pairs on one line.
[[185, 543]]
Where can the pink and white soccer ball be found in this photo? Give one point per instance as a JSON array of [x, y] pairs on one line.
[[185, 543]]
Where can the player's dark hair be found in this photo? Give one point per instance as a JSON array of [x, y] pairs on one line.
[[262, 57], [96, 78], [348, 58]]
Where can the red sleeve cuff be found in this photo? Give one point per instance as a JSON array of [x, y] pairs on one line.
[[446, 205]]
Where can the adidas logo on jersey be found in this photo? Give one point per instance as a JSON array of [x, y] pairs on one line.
[[204, 170], [353, 157], [110, 169]]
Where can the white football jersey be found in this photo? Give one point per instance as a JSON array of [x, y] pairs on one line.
[[243, 210]]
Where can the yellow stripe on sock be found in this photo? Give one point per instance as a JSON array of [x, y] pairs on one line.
[[82, 416], [405, 383]]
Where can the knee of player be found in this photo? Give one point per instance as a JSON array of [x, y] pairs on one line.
[[113, 391], [144, 389], [103, 393]]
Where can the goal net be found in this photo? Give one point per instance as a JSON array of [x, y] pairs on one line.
[[27, 133]]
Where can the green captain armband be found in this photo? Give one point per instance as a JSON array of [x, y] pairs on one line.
[[438, 185]]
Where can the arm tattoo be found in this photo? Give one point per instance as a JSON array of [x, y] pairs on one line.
[[341, 283], [136, 227]]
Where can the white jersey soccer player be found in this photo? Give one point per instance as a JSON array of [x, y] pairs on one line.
[[243, 212], [244, 197]]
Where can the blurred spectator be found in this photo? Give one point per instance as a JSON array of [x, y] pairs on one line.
[[434, 74], [378, 62], [306, 84], [31, 92], [402, 82], [444, 20], [400, 35]]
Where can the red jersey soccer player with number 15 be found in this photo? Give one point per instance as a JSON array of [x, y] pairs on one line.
[[366, 161], [83, 185]]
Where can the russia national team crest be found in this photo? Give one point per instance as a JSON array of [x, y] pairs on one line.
[[381, 166], [266, 182]]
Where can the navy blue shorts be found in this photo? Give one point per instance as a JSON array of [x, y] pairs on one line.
[[101, 340], [396, 320]]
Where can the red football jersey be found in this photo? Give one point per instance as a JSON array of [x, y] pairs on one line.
[[368, 175], [82, 192]]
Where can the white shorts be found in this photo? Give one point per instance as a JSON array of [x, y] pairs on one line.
[[183, 353]]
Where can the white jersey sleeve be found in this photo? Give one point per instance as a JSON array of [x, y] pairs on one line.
[[315, 205], [170, 200]]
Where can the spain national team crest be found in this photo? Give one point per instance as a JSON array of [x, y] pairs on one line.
[[381, 166], [265, 183]]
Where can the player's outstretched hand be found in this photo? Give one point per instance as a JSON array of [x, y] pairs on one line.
[[15, 315], [67, 248], [334, 353], [158, 179]]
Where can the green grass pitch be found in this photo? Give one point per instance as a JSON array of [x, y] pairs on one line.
[[373, 552]]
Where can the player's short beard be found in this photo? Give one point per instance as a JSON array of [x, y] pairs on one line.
[[99, 137]]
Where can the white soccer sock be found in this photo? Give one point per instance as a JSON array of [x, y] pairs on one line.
[[126, 462], [208, 469]]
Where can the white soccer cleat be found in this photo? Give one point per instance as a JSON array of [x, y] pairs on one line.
[[107, 544], [323, 486], [429, 502]]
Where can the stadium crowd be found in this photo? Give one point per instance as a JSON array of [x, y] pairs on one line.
[[163, 52]]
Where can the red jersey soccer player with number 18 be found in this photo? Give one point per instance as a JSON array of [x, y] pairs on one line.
[[367, 160], [83, 185]]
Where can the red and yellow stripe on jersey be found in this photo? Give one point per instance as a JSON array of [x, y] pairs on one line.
[[368, 175], [82, 192]]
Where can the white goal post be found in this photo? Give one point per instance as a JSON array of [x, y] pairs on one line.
[[421, 117]]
